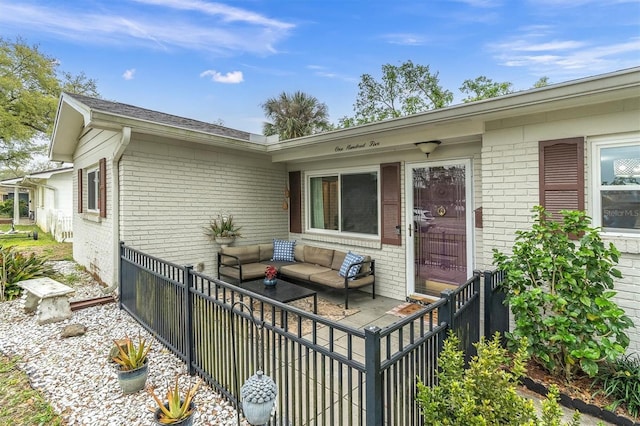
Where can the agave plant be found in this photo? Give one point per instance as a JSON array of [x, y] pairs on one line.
[[177, 407], [131, 356]]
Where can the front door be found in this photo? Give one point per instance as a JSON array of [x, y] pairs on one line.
[[439, 226]]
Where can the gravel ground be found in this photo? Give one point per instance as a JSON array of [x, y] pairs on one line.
[[75, 375]]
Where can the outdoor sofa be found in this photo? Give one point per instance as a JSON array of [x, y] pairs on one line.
[[298, 263]]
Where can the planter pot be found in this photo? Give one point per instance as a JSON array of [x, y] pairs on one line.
[[133, 380], [188, 421], [225, 240], [270, 282]]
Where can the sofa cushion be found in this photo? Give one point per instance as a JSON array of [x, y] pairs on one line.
[[298, 253], [349, 260], [318, 256], [283, 250], [333, 279], [246, 254], [302, 271], [338, 258], [266, 252], [249, 271]]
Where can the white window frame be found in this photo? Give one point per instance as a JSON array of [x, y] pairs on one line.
[[96, 187], [597, 144], [339, 173]]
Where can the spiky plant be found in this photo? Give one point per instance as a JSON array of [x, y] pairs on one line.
[[131, 356], [176, 407]]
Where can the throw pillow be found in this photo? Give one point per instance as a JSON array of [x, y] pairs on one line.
[[349, 260], [283, 250]]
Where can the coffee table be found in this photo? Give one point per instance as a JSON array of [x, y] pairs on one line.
[[283, 291]]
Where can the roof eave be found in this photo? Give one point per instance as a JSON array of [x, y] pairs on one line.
[[597, 89]]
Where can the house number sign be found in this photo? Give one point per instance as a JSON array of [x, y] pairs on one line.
[[351, 147]]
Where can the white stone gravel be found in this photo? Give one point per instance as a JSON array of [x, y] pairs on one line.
[[76, 377]]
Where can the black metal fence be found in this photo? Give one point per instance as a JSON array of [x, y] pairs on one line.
[[327, 373]]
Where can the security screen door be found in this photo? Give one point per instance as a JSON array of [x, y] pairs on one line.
[[439, 224]]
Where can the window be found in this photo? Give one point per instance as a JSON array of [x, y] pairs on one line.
[[344, 202], [93, 190], [617, 194]]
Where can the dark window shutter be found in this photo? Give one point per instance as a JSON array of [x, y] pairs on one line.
[[102, 201], [295, 202], [390, 188], [562, 175], [79, 190]]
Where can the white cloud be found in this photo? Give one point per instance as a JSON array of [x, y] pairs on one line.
[[232, 77], [539, 49], [195, 25], [405, 39], [129, 74]]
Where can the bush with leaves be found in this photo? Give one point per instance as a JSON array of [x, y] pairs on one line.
[[559, 283], [485, 393], [620, 380], [15, 267]]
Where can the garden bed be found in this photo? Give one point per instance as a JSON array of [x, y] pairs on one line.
[[580, 395]]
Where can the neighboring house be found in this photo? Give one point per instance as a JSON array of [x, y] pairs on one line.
[[50, 197], [154, 180]]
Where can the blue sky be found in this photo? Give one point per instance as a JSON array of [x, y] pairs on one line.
[[218, 61]]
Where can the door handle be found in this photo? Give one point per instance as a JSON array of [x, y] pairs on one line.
[[410, 230]]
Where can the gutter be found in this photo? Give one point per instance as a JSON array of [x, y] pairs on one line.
[[115, 203]]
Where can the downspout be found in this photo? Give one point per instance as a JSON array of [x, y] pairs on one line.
[[115, 203]]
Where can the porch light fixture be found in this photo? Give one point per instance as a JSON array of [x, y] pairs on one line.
[[428, 147]]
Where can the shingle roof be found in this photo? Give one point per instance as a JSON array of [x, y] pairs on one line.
[[135, 112]]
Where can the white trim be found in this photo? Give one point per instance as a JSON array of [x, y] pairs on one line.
[[338, 172], [596, 144], [469, 211], [96, 185]]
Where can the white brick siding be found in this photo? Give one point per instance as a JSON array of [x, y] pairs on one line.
[[170, 192], [510, 145], [93, 242]]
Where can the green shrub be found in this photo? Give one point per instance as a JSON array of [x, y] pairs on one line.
[[485, 393], [620, 380], [16, 267], [6, 208], [559, 283]]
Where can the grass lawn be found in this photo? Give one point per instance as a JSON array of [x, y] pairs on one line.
[[19, 403], [45, 245]]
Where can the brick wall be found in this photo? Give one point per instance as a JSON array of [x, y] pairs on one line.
[[170, 192], [510, 186]]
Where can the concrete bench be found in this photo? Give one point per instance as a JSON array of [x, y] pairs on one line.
[[49, 298]]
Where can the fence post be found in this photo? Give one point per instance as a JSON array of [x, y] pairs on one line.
[[373, 374], [120, 277], [488, 303], [445, 314], [188, 317]]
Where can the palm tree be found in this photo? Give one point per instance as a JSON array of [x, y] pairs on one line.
[[295, 115]]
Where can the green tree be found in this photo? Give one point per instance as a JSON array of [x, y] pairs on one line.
[[484, 88], [403, 90], [29, 92], [295, 115], [542, 81]]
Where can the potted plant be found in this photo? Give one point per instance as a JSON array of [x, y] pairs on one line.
[[270, 274], [222, 229], [177, 409], [132, 364]]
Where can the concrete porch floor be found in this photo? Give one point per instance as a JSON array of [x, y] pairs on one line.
[[371, 311]]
